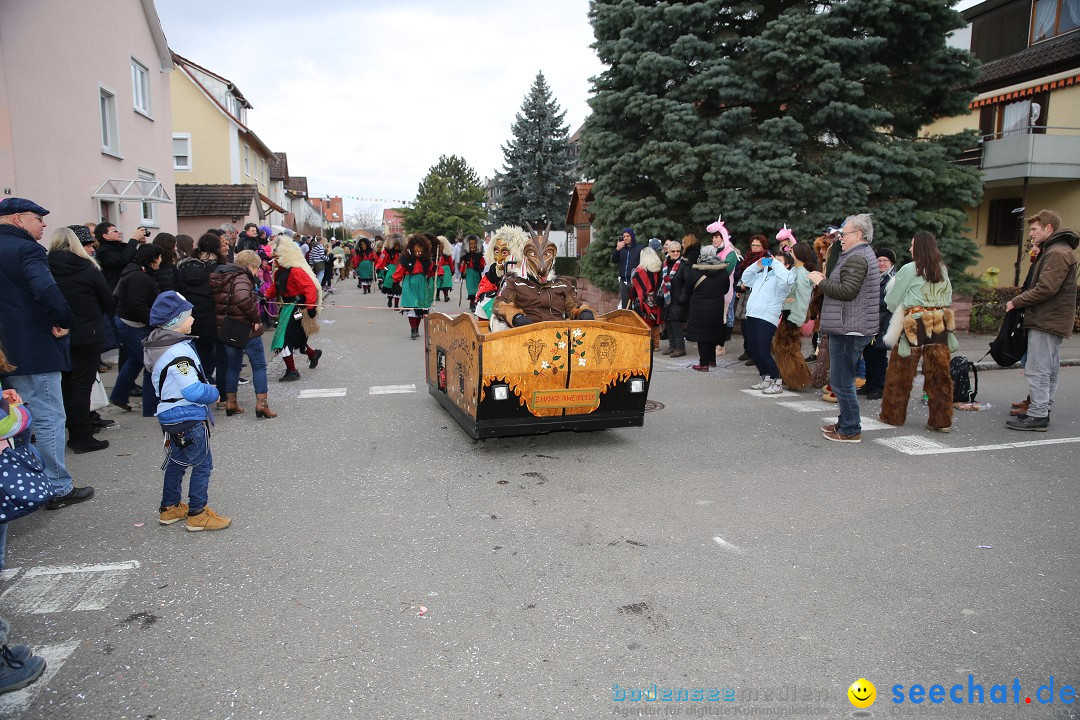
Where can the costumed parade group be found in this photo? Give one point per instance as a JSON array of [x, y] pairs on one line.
[[510, 284]]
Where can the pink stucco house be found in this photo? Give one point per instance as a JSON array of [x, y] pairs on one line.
[[85, 116]]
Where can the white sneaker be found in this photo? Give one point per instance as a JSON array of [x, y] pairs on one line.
[[775, 388], [765, 382]]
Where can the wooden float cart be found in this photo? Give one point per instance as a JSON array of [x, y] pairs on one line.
[[539, 378]]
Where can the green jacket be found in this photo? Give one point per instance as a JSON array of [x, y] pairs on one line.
[[798, 300]]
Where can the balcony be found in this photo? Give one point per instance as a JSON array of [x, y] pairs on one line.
[[1050, 153]]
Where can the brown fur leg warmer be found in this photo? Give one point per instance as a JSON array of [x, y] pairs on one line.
[[820, 377], [939, 385], [898, 380], [787, 351]]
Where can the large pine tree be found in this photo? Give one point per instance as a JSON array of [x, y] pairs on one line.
[[538, 172], [777, 112], [449, 201]]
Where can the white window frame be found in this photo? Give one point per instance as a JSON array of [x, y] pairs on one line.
[[110, 121], [187, 138], [148, 210], [141, 99], [247, 160]]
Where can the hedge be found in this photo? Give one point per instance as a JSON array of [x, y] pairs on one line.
[[988, 309]]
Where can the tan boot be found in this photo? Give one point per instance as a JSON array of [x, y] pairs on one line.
[[231, 408], [262, 409]]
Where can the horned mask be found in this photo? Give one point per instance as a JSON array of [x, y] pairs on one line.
[[538, 257]]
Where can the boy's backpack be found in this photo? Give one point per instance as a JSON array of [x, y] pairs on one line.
[[963, 371]]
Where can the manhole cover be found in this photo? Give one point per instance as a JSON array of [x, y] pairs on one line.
[[653, 406]]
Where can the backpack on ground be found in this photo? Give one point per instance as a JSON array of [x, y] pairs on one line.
[[965, 378]]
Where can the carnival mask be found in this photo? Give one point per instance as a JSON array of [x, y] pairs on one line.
[[500, 250], [539, 257]]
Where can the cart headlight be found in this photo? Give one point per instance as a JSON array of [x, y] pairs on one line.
[[637, 385], [500, 392]]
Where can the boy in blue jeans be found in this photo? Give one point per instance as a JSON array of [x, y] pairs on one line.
[[184, 400]]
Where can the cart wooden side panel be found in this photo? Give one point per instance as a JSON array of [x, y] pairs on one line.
[[558, 375]]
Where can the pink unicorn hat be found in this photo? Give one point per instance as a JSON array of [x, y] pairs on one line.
[[786, 234], [718, 227]]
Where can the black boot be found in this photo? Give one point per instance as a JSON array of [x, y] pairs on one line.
[[86, 444], [389, 301], [289, 376]]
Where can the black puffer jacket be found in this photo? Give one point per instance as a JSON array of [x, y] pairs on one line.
[[87, 293], [167, 278], [135, 294], [194, 276], [707, 321]]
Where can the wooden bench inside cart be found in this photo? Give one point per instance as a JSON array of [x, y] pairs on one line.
[[539, 378]]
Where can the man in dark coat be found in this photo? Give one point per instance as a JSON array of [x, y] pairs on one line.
[[36, 318], [626, 257]]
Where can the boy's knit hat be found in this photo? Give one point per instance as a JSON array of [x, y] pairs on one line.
[[169, 310]]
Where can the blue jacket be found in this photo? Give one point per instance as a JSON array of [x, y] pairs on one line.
[[768, 290], [30, 306], [627, 259], [183, 396]]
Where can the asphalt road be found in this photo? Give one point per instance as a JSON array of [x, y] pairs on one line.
[[382, 565]]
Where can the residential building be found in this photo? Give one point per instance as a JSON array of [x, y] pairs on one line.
[[578, 218], [201, 207], [212, 142], [1027, 113], [393, 222], [86, 122], [332, 210]]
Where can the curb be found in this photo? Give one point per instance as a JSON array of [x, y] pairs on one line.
[[984, 366]]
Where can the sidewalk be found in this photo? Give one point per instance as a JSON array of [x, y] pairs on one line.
[[973, 347]]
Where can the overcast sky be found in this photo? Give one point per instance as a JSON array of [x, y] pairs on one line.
[[365, 95]]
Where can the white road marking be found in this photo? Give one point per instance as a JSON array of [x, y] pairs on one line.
[[917, 445], [322, 393], [327, 322], [867, 423], [808, 406], [69, 569], [9, 574], [391, 389], [786, 393], [73, 587], [726, 545], [16, 703]]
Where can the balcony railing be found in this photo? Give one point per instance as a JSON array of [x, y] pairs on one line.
[[1035, 151]]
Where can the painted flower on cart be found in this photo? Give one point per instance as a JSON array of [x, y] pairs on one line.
[[562, 346], [581, 361], [544, 365], [578, 333]]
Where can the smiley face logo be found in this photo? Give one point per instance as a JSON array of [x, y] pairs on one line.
[[862, 693]]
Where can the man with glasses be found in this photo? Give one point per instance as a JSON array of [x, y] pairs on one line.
[[35, 317], [849, 316]]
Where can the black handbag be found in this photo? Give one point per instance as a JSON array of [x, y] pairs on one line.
[[233, 332]]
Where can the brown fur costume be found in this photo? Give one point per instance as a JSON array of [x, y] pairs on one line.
[[787, 351], [820, 376], [938, 385]]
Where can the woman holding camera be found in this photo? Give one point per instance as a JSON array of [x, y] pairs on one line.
[[769, 281]]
